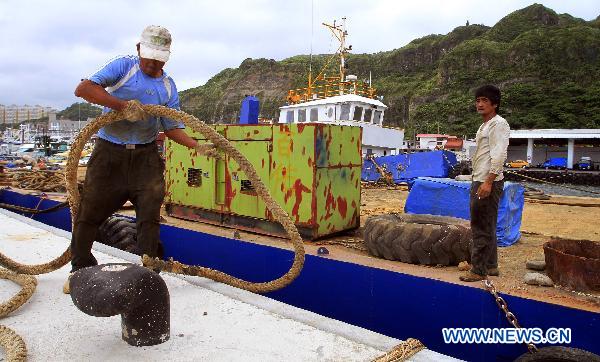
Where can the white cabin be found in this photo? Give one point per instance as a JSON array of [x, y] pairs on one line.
[[349, 110]]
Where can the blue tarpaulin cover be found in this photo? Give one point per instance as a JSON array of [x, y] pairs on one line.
[[406, 167], [448, 197]]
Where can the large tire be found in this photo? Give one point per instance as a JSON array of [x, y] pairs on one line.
[[418, 239], [117, 231], [461, 168], [559, 354]]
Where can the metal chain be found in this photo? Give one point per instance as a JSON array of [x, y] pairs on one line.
[[512, 319], [551, 183]]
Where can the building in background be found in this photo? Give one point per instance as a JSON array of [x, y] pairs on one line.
[[15, 114]]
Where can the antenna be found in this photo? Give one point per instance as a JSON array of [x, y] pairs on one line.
[[312, 27]]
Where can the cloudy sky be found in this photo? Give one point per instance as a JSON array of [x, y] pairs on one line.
[[46, 47]]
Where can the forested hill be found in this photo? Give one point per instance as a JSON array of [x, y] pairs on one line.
[[546, 64]]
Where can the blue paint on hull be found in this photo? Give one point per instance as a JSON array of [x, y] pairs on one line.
[[391, 303]]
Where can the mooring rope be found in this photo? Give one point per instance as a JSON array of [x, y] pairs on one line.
[[220, 143], [12, 343], [402, 351]]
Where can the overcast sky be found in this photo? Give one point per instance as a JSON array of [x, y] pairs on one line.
[[46, 47]]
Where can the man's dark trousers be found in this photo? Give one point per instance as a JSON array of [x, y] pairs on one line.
[[484, 214], [114, 175]]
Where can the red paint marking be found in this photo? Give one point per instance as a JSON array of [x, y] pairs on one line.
[[229, 193], [284, 171], [329, 203], [298, 188], [301, 127], [342, 206], [282, 187]]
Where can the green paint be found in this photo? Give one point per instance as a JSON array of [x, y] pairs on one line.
[[312, 171]]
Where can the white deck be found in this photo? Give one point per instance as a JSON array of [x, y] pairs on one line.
[[238, 325]]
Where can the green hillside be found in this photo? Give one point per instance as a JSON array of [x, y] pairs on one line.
[[546, 64]]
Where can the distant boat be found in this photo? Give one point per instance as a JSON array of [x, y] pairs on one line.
[[343, 100]]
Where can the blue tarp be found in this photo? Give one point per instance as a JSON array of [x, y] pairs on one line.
[[451, 198], [406, 167]]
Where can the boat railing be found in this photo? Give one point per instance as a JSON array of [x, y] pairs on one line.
[[330, 89]]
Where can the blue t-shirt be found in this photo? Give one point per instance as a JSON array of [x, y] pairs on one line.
[[123, 79]]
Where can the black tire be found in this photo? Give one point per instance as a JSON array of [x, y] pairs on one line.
[[461, 168], [559, 354], [115, 230], [418, 239]]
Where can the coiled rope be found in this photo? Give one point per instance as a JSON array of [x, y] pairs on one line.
[[10, 341]]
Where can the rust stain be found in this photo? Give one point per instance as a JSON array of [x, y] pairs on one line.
[[310, 162], [298, 188], [262, 163], [342, 206], [303, 150], [229, 192], [292, 145], [329, 203], [255, 131], [283, 171]]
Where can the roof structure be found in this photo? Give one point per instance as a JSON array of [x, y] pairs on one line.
[[555, 133], [337, 99]]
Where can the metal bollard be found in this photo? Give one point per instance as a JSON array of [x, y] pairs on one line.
[[140, 295]]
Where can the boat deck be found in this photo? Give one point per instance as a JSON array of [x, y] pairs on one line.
[[209, 321]]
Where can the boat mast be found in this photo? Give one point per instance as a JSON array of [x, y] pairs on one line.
[[340, 32]]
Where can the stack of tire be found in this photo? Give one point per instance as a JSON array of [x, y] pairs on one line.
[[119, 232], [419, 239]]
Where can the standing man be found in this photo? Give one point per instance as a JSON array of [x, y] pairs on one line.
[[488, 183], [125, 164]]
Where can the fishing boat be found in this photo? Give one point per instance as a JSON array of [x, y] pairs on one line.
[[343, 100]]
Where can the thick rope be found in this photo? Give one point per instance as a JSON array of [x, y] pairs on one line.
[[220, 143], [13, 344], [402, 352]]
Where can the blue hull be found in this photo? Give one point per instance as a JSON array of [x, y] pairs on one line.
[[395, 304]]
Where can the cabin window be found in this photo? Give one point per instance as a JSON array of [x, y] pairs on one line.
[[330, 112], [368, 114], [301, 115], [314, 115], [289, 117], [345, 114], [357, 113], [377, 117]]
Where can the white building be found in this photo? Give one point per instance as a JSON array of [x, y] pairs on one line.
[[14, 114], [537, 145]]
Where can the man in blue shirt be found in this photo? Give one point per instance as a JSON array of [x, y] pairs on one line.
[[125, 164]]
